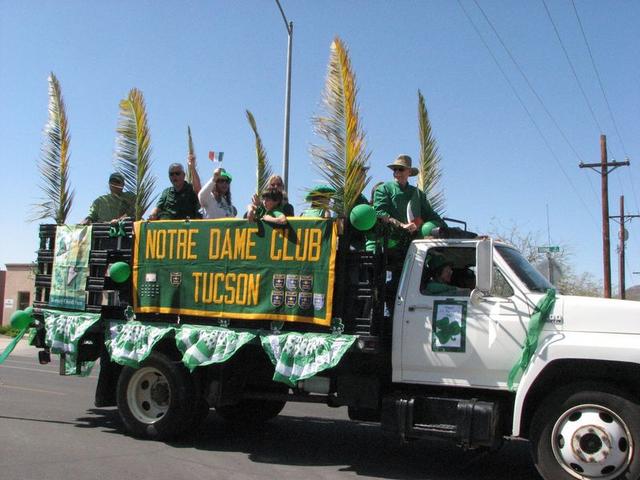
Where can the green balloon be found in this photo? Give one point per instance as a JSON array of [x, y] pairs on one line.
[[20, 319], [120, 272], [363, 217], [29, 310], [427, 228]]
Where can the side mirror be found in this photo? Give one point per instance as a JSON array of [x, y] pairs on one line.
[[484, 265]]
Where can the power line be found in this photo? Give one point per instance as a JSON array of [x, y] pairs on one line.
[[573, 70], [613, 120], [535, 124]]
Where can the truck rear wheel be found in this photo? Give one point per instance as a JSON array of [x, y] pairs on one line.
[[156, 400], [587, 432]]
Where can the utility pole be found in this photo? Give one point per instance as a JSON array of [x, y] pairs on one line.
[[605, 169], [622, 238], [287, 100]]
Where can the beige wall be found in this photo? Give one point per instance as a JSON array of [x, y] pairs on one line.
[[19, 278]]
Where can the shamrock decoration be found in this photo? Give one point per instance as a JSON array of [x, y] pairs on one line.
[[446, 330]]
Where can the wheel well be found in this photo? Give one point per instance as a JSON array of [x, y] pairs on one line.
[[623, 375]]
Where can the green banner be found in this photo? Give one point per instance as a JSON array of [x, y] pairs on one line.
[[236, 269], [298, 356], [63, 332], [70, 266]]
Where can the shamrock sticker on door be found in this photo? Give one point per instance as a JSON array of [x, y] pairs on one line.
[[449, 326]]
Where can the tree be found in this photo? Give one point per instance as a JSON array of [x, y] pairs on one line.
[[567, 280]]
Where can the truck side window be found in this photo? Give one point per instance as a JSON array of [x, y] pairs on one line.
[[501, 287], [448, 271]]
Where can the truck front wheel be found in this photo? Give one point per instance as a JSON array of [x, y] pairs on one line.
[[156, 400], [587, 432]]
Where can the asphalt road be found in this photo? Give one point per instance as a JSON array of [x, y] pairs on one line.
[[49, 429]]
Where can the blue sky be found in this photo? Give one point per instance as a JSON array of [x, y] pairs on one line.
[[203, 63]]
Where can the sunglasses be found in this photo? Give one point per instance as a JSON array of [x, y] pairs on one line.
[[175, 174], [399, 169], [222, 180]]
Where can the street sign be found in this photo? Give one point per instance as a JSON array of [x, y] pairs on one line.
[[549, 249]]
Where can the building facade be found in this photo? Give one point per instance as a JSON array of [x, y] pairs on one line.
[[19, 289]]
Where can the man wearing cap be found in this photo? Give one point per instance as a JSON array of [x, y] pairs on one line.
[[179, 201], [319, 199], [215, 196], [114, 206]]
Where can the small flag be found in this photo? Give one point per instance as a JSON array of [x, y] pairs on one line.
[[216, 156]]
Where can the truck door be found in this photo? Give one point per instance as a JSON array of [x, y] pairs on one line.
[[445, 338]]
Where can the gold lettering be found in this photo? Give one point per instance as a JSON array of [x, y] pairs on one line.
[[150, 249], [207, 293], [250, 244], [315, 244], [181, 245], [238, 244], [172, 233], [302, 257], [242, 289], [196, 276], [161, 240], [226, 246], [285, 255], [214, 241], [275, 255], [216, 278], [191, 243], [253, 289], [228, 299]]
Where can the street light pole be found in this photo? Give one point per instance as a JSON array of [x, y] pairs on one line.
[[287, 102]]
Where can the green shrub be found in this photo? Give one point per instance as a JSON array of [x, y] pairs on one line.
[[8, 330]]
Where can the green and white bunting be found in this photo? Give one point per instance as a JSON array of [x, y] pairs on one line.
[[131, 343], [204, 345], [298, 356], [63, 332]]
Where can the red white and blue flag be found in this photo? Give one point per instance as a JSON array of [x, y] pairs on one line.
[[216, 156]]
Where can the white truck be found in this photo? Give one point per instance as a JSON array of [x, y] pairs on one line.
[[423, 365]]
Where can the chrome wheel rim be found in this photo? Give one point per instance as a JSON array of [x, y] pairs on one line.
[[148, 395], [591, 441]]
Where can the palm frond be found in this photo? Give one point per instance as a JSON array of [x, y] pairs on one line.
[[430, 172], [343, 160], [54, 160], [263, 169], [191, 152], [133, 150]]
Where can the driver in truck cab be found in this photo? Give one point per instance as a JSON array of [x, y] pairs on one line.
[[439, 273]]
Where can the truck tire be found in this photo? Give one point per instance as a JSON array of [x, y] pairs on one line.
[[156, 400], [586, 431], [251, 411]]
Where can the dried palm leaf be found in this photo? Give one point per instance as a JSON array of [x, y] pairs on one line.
[[343, 160], [430, 173], [133, 150], [263, 168], [54, 161]]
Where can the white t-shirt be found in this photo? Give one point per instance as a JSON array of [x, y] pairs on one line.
[[213, 207]]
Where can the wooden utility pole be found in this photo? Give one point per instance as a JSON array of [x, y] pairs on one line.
[[622, 238], [606, 243]]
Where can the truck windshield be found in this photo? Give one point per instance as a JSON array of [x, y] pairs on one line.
[[531, 277]]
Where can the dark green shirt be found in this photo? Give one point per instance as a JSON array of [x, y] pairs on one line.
[[392, 200], [174, 205], [438, 288], [110, 206]]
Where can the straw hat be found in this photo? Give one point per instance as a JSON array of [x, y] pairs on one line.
[[404, 161]]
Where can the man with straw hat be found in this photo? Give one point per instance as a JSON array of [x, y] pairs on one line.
[[402, 205], [115, 205]]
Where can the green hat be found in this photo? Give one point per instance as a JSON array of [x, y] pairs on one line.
[[116, 177], [438, 262], [319, 190], [225, 174]]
